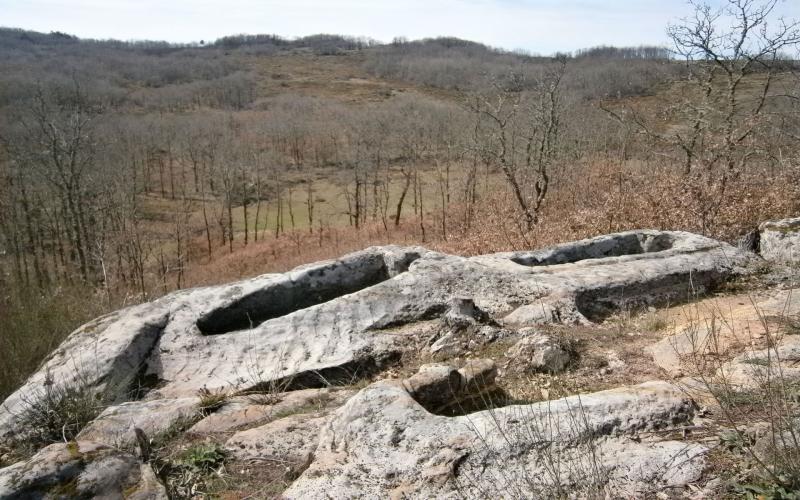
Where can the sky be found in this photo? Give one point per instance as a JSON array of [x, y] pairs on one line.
[[538, 26]]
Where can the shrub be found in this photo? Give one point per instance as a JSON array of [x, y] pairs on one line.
[[58, 412], [211, 401]]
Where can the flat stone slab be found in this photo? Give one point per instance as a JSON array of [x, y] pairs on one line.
[[115, 425], [333, 322], [759, 369], [715, 325], [292, 438]]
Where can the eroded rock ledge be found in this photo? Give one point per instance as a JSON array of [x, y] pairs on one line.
[[336, 322], [384, 443]]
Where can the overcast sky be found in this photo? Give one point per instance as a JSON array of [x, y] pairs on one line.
[[542, 26]]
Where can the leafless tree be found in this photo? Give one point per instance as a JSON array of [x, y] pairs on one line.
[[518, 131]]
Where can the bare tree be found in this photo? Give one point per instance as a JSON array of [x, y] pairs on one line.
[[718, 128], [726, 46], [518, 131], [56, 140]]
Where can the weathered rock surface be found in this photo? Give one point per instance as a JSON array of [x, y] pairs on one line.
[[779, 241], [80, 470], [292, 439], [382, 443], [179, 338], [334, 322], [671, 352], [591, 279], [115, 425]]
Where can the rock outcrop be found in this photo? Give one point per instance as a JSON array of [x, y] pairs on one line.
[[330, 321], [248, 411], [115, 425], [755, 369], [334, 323], [290, 439]]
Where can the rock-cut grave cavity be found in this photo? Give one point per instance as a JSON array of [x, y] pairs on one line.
[[293, 292], [633, 243]]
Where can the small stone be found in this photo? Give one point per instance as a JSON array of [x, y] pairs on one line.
[[779, 241], [462, 312], [712, 486], [538, 353], [445, 341], [434, 384]]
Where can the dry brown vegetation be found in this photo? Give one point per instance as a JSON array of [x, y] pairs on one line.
[[136, 169]]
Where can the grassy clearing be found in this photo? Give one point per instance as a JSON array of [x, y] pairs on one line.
[[341, 78]]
